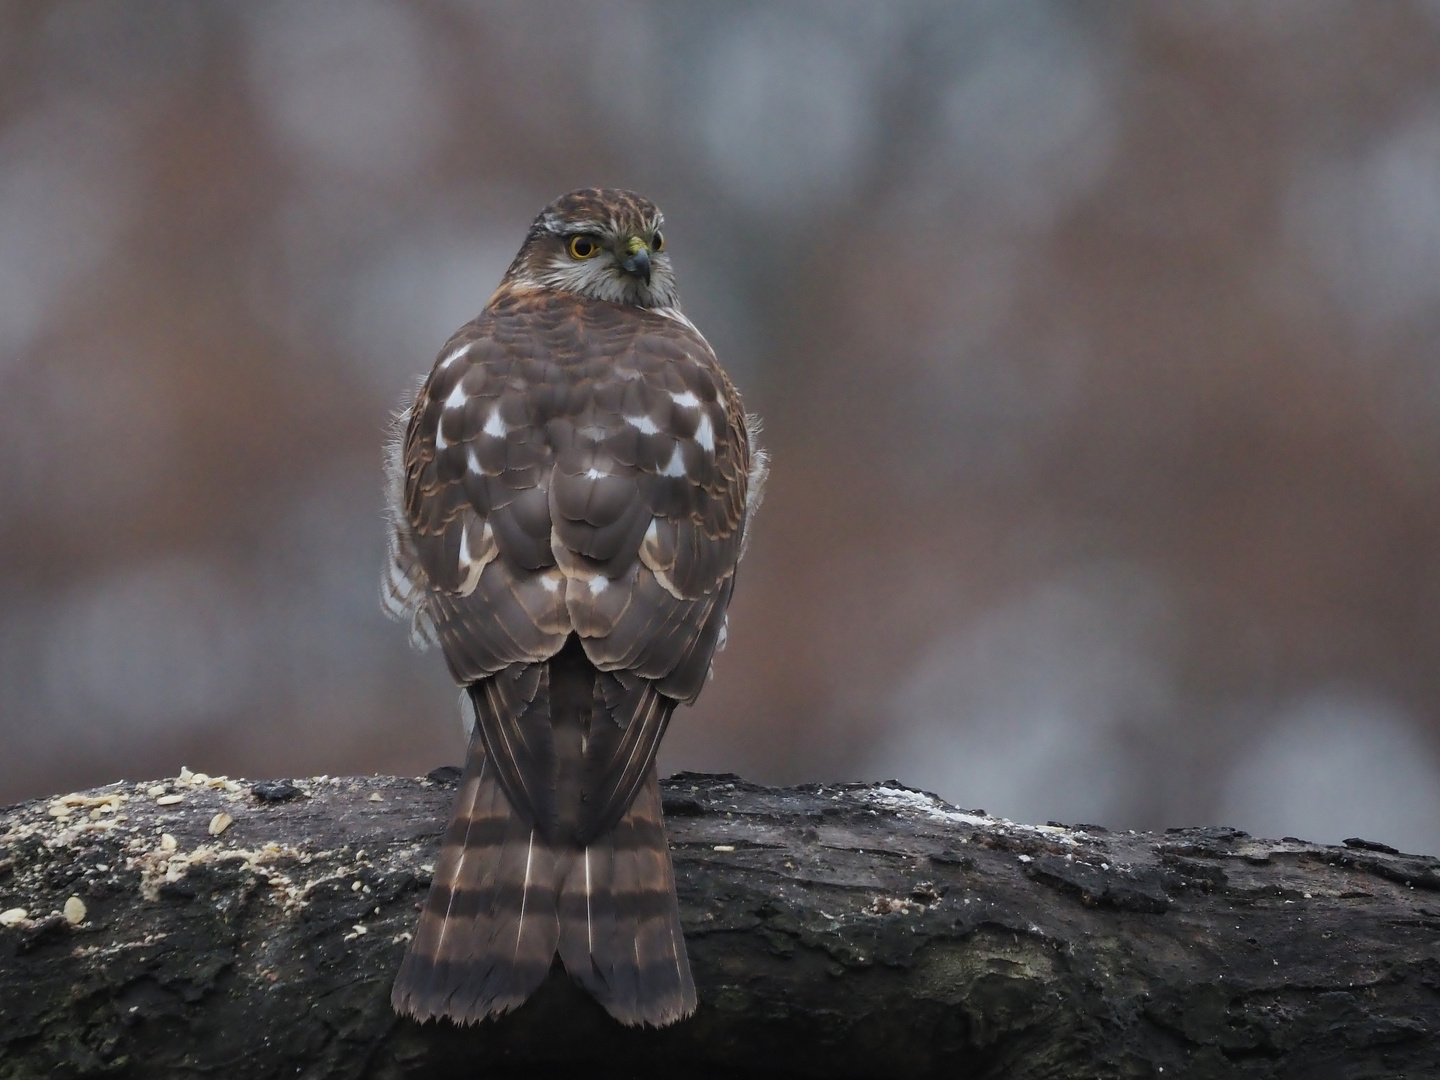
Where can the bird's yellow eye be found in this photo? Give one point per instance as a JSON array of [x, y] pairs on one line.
[[658, 243], [583, 247]]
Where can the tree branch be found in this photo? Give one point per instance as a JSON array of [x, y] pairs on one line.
[[839, 931]]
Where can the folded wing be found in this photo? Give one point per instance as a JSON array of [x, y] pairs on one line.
[[568, 473]]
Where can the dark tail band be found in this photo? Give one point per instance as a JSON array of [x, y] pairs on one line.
[[504, 901]]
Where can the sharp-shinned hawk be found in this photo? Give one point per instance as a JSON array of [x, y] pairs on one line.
[[571, 491]]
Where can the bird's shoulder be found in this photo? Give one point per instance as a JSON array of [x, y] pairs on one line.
[[549, 364]]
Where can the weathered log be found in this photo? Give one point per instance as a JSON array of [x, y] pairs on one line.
[[835, 931]]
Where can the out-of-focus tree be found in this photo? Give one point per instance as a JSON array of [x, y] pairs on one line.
[[1096, 344]]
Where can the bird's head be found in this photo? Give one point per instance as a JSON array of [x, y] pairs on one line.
[[603, 243]]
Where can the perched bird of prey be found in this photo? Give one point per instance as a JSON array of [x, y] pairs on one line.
[[571, 491]]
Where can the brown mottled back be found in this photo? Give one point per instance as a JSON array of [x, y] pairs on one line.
[[571, 498]]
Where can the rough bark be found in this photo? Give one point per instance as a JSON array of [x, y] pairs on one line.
[[837, 931]]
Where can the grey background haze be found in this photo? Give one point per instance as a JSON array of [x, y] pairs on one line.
[[1098, 346]]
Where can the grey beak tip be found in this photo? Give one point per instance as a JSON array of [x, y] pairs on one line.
[[639, 263]]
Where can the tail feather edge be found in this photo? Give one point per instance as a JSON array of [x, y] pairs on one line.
[[504, 902]]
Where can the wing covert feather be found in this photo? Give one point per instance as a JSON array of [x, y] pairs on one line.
[[574, 468]]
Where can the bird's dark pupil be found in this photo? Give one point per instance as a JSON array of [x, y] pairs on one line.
[[582, 247]]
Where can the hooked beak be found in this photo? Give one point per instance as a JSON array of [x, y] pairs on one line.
[[638, 262]]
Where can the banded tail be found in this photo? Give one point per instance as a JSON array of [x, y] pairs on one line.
[[506, 899]]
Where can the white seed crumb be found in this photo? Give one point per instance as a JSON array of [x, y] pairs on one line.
[[1026, 858], [357, 886], [724, 847], [104, 868], [359, 928], [167, 842], [199, 779], [13, 916], [112, 800], [74, 911], [375, 796], [155, 789], [220, 822], [169, 800], [185, 774]]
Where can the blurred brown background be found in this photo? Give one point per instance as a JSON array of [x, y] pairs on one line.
[[1098, 346]]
